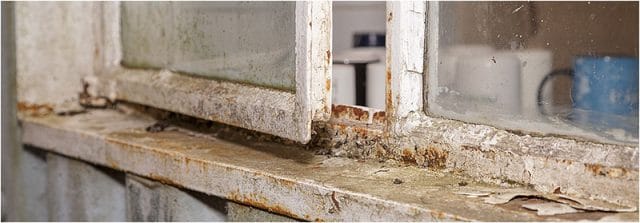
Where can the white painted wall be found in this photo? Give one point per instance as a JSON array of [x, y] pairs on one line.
[[350, 17]]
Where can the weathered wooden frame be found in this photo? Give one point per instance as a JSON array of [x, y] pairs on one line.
[[406, 24], [276, 112]]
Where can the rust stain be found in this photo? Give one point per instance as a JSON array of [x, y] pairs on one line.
[[437, 215], [436, 157], [599, 170], [380, 152], [616, 172], [164, 180], [112, 163], [261, 202], [361, 131], [379, 117], [286, 183], [34, 110], [328, 57], [349, 112], [388, 97], [595, 169], [471, 147], [336, 204], [327, 85], [569, 162], [408, 156]]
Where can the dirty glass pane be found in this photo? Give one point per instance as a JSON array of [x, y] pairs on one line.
[[246, 42], [568, 68]]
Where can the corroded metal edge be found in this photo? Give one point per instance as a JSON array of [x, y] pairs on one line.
[[301, 189]]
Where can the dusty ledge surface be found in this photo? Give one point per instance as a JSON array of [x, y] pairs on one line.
[[282, 179]]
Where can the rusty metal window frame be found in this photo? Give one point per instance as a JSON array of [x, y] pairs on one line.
[[280, 113]]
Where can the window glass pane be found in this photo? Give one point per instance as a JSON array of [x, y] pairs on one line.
[[247, 42], [568, 68]]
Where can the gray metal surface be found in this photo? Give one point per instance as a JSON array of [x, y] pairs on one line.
[[149, 200], [78, 191]]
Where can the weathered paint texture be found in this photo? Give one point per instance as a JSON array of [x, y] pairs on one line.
[[56, 46], [261, 109], [83, 40], [405, 64], [601, 171], [321, 59], [272, 177], [284, 113], [546, 163], [297, 184]]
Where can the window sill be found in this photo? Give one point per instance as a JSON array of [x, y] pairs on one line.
[[277, 178]]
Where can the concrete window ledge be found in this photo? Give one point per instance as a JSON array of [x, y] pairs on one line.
[[274, 177]]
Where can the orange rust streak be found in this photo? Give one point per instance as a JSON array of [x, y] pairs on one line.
[[436, 157], [407, 156], [349, 112], [327, 85], [388, 97], [34, 109], [286, 183], [328, 57], [379, 117], [262, 204], [595, 169], [164, 180]]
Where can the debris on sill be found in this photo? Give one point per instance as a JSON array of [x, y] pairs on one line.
[[94, 102], [69, 108], [157, 127], [550, 208], [558, 204], [554, 204], [88, 101], [434, 190], [474, 193]]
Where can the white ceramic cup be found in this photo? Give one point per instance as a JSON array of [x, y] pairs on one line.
[[490, 81], [343, 84], [449, 58], [376, 81], [535, 65]]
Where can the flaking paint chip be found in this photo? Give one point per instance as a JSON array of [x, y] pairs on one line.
[[474, 193], [550, 208]]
